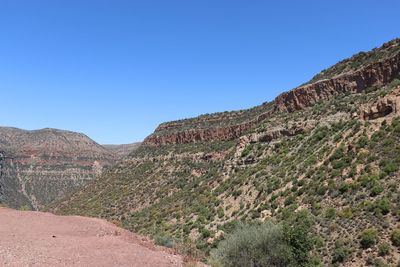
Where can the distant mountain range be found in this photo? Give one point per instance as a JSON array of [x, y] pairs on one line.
[[40, 166]]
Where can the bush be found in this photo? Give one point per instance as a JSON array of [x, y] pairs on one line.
[[165, 241], [341, 252], [376, 190], [262, 245], [395, 237], [297, 232], [384, 249], [383, 206], [368, 238], [362, 142]]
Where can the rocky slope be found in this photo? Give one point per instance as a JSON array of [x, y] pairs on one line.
[[38, 167], [331, 147]]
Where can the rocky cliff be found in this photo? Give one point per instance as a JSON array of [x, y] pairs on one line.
[[40, 166], [364, 71], [177, 135], [372, 75]]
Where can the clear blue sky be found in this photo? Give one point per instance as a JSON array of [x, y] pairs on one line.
[[116, 69]]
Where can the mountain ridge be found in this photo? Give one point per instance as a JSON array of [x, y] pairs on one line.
[[40, 166], [333, 154]]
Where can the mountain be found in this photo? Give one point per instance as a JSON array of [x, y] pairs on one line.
[[38, 167], [330, 147], [122, 150]]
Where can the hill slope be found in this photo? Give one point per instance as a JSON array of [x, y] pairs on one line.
[[122, 150], [331, 146], [38, 167]]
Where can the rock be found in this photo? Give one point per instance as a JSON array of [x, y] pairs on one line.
[[176, 135], [378, 73], [385, 106]]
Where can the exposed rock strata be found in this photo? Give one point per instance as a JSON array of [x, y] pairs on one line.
[[202, 134], [376, 74], [40, 166]]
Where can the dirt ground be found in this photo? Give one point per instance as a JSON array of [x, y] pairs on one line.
[[44, 239]]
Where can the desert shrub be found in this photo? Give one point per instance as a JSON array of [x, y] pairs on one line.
[[256, 245], [384, 249], [362, 142], [376, 190], [383, 206], [376, 262], [395, 237], [388, 167], [297, 232], [164, 240], [341, 252], [330, 213], [368, 238]]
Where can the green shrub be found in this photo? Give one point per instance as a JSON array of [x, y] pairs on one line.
[[164, 240], [330, 213], [368, 238], [341, 252], [395, 237], [383, 206], [262, 245], [297, 232], [362, 142], [376, 190], [384, 249]]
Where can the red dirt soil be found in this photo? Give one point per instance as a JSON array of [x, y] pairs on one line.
[[44, 239]]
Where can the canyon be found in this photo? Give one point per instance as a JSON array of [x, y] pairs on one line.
[[40, 166], [328, 148]]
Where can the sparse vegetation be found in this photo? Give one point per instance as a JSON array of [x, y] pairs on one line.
[[341, 169]]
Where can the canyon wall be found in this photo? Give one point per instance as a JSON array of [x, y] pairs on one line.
[[376, 74], [38, 167]]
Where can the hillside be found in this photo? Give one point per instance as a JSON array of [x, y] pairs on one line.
[[330, 146], [122, 150], [40, 166]]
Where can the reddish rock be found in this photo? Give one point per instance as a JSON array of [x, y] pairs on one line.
[[376, 74], [387, 105], [196, 135]]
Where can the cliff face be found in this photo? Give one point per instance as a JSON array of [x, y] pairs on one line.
[[218, 133], [355, 75], [38, 167], [376, 74]]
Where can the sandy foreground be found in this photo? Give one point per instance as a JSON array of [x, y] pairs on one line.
[[44, 239]]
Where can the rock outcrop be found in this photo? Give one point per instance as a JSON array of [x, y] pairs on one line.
[[387, 105], [375, 74], [177, 135], [365, 70]]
